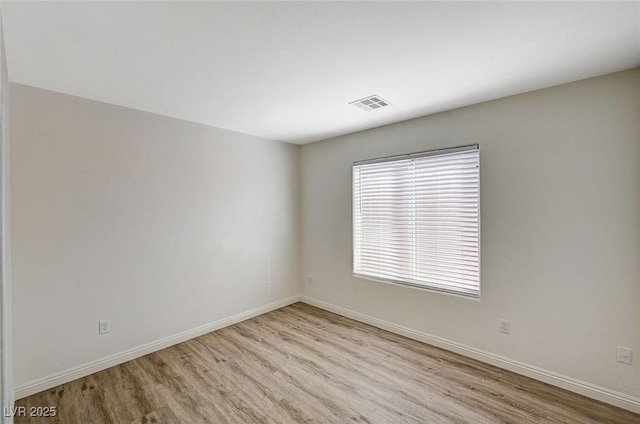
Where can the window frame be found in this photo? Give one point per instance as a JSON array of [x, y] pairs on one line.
[[443, 289]]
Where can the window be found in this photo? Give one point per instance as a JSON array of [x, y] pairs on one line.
[[416, 220]]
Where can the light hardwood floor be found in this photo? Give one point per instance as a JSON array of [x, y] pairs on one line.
[[303, 364]]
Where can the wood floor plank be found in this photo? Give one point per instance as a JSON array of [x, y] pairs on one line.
[[303, 364]]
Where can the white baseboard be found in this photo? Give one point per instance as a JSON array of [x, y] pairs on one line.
[[119, 358], [584, 388]]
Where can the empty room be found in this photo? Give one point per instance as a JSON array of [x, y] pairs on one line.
[[320, 212]]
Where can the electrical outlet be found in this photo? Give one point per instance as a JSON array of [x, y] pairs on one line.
[[104, 326], [505, 326], [623, 354], [310, 279]]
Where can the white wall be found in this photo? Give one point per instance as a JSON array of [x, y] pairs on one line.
[[162, 225], [6, 363], [560, 193], [157, 224]]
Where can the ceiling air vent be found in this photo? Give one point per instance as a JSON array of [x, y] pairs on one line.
[[371, 102]]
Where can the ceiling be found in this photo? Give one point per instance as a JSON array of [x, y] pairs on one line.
[[288, 70]]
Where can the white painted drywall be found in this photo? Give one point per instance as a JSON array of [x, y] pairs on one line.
[[157, 224], [6, 363], [560, 193]]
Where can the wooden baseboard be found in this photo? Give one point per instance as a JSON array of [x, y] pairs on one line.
[[74, 373], [584, 388]]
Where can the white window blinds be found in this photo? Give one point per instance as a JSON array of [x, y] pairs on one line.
[[416, 220]]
